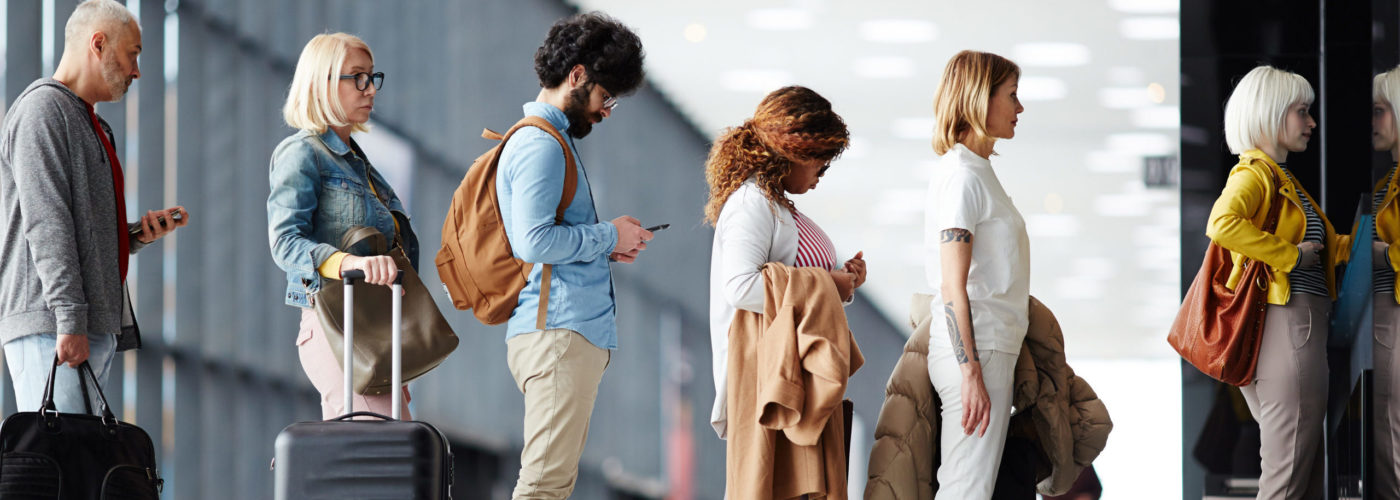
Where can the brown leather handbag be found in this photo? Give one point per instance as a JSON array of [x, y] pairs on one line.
[[1219, 330], [427, 337]]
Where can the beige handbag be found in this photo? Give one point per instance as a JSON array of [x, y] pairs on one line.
[[427, 338]]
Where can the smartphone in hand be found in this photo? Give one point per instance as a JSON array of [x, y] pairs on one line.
[[657, 227], [160, 219]]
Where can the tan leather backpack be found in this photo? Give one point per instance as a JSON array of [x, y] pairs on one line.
[[475, 262]]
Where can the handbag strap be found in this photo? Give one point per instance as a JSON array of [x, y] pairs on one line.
[[1271, 223], [84, 369], [357, 234]]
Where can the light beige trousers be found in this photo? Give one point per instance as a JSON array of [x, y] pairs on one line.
[[558, 371], [325, 372], [1386, 390], [1289, 398]]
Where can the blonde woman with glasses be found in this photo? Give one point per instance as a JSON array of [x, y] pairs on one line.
[[322, 185]]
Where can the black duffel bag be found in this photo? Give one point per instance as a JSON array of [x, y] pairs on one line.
[[76, 456]]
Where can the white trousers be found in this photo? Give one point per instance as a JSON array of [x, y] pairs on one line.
[[970, 463]]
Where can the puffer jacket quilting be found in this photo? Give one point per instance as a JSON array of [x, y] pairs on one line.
[[1072, 425]]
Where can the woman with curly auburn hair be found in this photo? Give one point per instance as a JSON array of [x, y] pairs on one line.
[[784, 149], [983, 285]]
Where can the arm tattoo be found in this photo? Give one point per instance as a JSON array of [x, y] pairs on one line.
[[959, 350], [956, 235]]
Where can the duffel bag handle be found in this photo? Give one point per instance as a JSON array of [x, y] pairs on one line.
[[48, 405]]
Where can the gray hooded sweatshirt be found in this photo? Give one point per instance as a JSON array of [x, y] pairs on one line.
[[58, 258]]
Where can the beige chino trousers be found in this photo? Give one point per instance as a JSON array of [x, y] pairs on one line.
[[1386, 389], [558, 371], [1289, 397]]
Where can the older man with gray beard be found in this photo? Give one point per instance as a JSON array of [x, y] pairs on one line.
[[64, 233]]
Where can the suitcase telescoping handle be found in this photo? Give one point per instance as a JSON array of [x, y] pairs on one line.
[[350, 277]]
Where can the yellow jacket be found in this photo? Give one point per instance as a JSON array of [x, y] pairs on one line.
[[1388, 223], [1241, 210]]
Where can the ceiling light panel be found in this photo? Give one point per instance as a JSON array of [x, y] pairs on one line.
[[1159, 117], [754, 80], [1050, 54], [781, 19], [1150, 28], [1124, 97], [898, 31], [1146, 6], [1041, 88], [884, 67], [695, 32]]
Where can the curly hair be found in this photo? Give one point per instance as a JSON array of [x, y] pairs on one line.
[[611, 54], [791, 123]]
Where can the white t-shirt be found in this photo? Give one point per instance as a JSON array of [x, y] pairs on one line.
[[965, 193]]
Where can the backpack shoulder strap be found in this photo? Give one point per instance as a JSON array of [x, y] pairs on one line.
[[566, 199], [570, 165]]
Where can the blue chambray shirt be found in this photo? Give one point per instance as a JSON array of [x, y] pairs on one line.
[[529, 184], [317, 194]]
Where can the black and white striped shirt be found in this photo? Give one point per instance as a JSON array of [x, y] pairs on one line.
[[1382, 275], [1311, 279]]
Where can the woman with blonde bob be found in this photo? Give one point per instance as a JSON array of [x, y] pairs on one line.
[[1385, 91], [1267, 118], [322, 185], [977, 258]]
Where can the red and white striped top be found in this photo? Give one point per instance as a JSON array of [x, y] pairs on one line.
[[814, 248]]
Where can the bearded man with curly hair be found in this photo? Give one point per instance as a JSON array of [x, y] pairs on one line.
[[586, 63]]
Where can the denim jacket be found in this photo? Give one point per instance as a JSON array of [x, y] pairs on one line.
[[318, 194]]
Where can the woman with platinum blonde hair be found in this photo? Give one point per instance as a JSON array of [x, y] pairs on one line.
[[1385, 91], [1267, 118], [982, 284], [323, 185]]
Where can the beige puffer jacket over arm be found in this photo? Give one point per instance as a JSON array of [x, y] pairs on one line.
[[1072, 425]]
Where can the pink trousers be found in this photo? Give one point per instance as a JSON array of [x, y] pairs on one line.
[[325, 373]]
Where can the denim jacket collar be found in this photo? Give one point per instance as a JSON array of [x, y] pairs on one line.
[[333, 142], [554, 115]]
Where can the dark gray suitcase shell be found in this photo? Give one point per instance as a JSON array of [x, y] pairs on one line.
[[343, 459], [369, 459]]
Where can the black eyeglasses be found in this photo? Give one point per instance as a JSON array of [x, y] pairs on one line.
[[822, 171], [362, 80]]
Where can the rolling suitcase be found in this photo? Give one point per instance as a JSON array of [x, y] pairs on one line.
[[384, 458]]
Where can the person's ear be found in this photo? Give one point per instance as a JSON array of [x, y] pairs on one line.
[[577, 76], [97, 43]]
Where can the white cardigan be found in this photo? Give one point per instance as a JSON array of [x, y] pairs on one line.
[[751, 231]]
